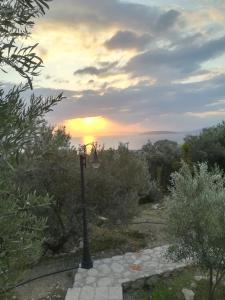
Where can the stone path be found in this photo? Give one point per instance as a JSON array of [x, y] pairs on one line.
[[104, 281]]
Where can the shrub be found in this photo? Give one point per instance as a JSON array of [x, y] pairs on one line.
[[163, 158], [154, 195], [208, 146], [115, 188], [197, 220]]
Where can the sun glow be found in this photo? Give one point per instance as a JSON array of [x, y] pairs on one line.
[[88, 139], [87, 127], [90, 128]]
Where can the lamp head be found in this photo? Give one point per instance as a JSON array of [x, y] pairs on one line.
[[95, 161]]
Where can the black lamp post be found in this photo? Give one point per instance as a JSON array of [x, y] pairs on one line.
[[86, 262]]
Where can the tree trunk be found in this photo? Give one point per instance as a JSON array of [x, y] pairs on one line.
[[211, 295], [211, 290]]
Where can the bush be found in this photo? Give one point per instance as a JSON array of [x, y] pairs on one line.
[[115, 188], [154, 194], [197, 220], [163, 158]]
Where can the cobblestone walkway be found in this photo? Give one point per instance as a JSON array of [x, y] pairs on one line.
[[104, 281]]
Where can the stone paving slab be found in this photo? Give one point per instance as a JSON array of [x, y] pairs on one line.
[[104, 280], [98, 293]]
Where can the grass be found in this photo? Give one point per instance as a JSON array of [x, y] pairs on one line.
[[8, 296], [56, 294], [171, 288], [104, 239]]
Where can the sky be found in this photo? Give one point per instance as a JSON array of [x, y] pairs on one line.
[[132, 66]]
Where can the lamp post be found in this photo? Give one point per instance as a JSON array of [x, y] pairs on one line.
[[86, 262]]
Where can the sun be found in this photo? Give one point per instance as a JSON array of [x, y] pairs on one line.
[[89, 126]]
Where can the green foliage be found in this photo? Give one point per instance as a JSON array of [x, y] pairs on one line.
[[163, 158], [20, 221], [115, 188], [154, 194], [170, 288], [50, 165], [21, 231], [22, 237], [208, 147], [19, 125], [197, 219], [16, 20], [19, 122]]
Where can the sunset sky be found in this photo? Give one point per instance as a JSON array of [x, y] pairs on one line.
[[132, 66]]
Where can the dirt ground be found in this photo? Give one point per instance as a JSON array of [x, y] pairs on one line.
[[51, 287], [150, 222]]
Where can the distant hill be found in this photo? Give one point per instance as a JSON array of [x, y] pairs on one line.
[[162, 132], [159, 132]]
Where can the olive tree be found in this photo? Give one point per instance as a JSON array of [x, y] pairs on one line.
[[163, 158], [197, 220], [208, 146], [21, 238], [50, 165], [16, 20], [116, 187], [21, 226], [21, 123], [21, 234]]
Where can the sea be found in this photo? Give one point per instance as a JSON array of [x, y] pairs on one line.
[[134, 142]]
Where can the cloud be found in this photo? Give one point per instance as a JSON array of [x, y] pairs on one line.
[[167, 20], [86, 30], [127, 40], [91, 70], [166, 77], [172, 106], [98, 14], [60, 80], [206, 114], [152, 106], [178, 63], [217, 103]]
